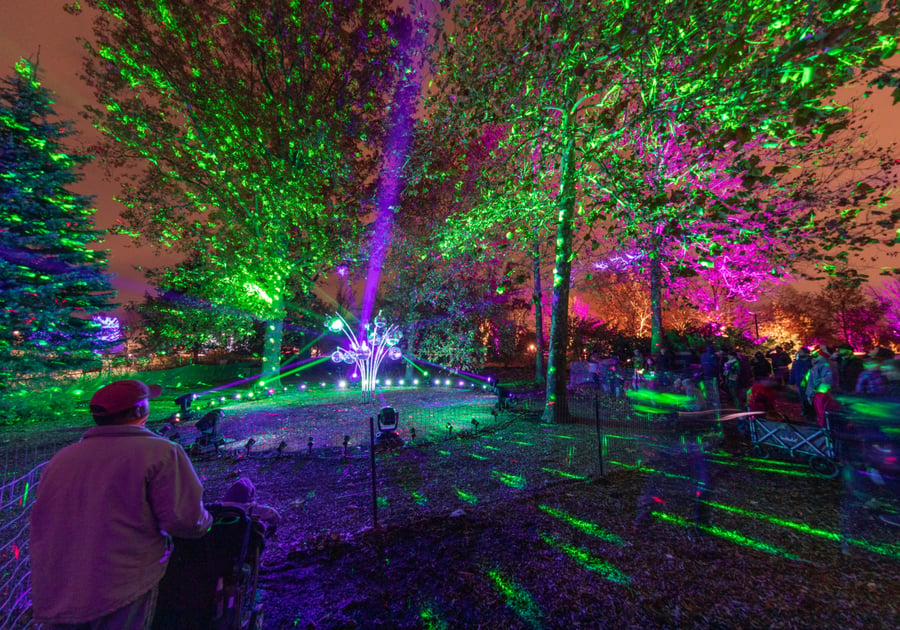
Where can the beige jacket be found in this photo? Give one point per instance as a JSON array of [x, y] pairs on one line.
[[99, 532]]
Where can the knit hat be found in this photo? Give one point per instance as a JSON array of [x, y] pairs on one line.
[[241, 491], [121, 395]]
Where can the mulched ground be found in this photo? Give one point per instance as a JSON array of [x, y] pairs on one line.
[[506, 525], [504, 528]]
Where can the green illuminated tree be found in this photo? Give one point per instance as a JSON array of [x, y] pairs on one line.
[[256, 126], [586, 79], [491, 210], [185, 314], [51, 278]]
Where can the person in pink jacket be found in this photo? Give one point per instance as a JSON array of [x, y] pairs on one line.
[[105, 510]]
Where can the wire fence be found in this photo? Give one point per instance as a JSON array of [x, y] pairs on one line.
[[16, 498], [599, 433]]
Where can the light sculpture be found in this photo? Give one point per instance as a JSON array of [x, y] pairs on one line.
[[367, 351]]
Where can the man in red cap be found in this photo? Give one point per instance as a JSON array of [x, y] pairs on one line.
[[105, 509]]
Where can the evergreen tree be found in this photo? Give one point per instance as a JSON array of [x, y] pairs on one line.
[[51, 281]]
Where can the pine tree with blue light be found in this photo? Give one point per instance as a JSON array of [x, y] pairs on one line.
[[51, 279]]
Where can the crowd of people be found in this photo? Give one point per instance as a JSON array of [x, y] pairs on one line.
[[861, 389], [815, 376]]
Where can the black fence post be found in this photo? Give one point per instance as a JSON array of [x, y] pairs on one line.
[[601, 439], [374, 484]]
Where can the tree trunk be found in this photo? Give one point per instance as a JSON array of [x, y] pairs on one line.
[[409, 374], [537, 298], [556, 409], [656, 329], [274, 328]]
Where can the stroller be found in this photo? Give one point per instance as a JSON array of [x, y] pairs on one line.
[[210, 582]]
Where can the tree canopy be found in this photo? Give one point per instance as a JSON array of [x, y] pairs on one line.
[[256, 127], [601, 84]]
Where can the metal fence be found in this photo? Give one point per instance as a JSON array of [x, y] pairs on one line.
[[16, 498], [600, 433]]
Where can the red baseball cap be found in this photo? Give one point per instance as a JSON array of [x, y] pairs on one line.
[[121, 395]]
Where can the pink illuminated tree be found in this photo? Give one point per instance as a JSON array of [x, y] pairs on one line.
[[583, 77]]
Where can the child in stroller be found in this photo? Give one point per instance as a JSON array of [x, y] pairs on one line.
[[210, 582]]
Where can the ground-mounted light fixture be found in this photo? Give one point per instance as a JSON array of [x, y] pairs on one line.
[[208, 426], [184, 404], [388, 421]]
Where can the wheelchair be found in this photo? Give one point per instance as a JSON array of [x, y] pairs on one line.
[[210, 582]]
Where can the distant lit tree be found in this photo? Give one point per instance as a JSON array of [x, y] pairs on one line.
[[890, 297], [187, 314], [52, 280], [857, 319]]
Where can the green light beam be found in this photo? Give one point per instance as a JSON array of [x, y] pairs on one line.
[[587, 527], [519, 600], [412, 363], [790, 473], [466, 496], [588, 561], [513, 481], [306, 366], [564, 474], [729, 535], [891, 550], [654, 471], [302, 350]]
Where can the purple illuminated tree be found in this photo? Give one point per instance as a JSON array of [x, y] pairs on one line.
[[52, 280], [890, 297]]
